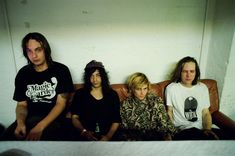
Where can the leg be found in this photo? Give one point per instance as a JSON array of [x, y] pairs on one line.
[[9, 133]]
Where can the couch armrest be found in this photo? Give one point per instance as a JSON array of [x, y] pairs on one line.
[[223, 121]]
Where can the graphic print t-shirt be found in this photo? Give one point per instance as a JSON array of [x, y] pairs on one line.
[[187, 104], [190, 108], [40, 89]]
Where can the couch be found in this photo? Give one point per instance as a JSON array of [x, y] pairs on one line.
[[226, 124]]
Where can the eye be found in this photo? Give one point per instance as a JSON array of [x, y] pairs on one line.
[[145, 88], [138, 89], [39, 49], [28, 51]]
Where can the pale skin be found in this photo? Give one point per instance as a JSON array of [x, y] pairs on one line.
[[36, 55], [97, 93], [188, 74]]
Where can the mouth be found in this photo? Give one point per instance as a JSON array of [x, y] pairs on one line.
[[35, 60]]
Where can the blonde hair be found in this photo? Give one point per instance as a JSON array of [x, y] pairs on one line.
[[137, 80]]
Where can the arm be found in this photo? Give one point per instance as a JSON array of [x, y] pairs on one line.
[[110, 133], [21, 114], [115, 118], [125, 116], [207, 123], [83, 132], [36, 132], [206, 119], [166, 125], [170, 113]]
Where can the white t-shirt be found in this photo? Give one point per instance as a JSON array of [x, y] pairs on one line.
[[187, 104]]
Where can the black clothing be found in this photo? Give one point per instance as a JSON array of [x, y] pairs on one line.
[[40, 90], [96, 115]]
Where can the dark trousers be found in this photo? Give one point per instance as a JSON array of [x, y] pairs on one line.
[[197, 134], [138, 135], [56, 131], [2, 129]]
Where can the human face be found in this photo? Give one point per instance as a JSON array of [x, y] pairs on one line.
[[96, 79], [36, 54], [188, 74], [141, 92]]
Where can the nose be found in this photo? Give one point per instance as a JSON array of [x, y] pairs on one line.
[[94, 78], [142, 91], [34, 54], [188, 73]]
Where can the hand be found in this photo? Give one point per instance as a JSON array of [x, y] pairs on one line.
[[167, 137], [210, 134], [105, 138], [35, 133], [20, 131], [89, 136]]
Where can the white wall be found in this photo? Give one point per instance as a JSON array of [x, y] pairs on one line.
[[228, 99], [7, 70], [220, 64], [149, 36], [126, 35]]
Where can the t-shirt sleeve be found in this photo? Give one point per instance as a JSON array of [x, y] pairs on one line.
[[206, 96], [19, 92], [116, 111], [66, 83], [74, 108], [168, 96]]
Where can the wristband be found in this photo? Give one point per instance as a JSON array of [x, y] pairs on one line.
[[83, 131]]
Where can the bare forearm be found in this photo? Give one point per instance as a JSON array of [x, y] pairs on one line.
[[55, 112], [76, 123], [170, 113], [112, 130], [21, 112], [206, 119]]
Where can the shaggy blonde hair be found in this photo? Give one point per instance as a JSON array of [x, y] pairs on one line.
[[137, 80]]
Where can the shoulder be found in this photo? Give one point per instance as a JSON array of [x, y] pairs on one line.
[[111, 92], [60, 70], [154, 97], [201, 86], [80, 91], [127, 101], [172, 86], [59, 66], [25, 70]]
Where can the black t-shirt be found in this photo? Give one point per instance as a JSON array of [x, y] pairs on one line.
[[40, 89], [91, 111]]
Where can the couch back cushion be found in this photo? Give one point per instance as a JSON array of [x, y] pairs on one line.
[[159, 89]]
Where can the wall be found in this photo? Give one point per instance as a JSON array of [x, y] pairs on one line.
[[7, 70], [227, 99], [220, 64], [152, 35]]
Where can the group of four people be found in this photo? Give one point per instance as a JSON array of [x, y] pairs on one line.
[[43, 86]]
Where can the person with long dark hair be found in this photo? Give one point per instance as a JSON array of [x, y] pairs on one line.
[[41, 92], [95, 107], [188, 102]]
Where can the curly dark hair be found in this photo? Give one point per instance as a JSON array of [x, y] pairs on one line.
[[104, 77], [176, 75], [44, 43]]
